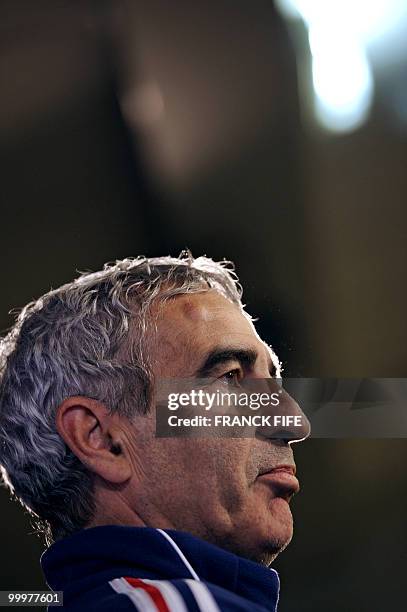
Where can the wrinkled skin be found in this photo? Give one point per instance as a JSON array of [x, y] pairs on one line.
[[210, 487]]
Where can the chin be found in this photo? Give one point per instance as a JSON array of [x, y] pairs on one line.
[[264, 552], [271, 546], [260, 545], [275, 536], [258, 533]]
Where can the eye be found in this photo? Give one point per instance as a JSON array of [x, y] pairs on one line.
[[232, 377]]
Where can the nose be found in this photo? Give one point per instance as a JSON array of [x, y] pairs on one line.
[[288, 421]]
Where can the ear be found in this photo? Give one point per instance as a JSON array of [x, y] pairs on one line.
[[95, 437]]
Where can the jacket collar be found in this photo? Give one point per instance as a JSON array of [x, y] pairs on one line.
[[112, 551]]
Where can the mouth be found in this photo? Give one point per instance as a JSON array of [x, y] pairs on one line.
[[282, 480]]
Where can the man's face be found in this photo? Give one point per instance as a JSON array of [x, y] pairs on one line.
[[214, 488]]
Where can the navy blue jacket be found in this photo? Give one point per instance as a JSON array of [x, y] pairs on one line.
[[142, 569]]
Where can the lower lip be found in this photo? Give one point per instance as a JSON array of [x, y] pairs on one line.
[[281, 477]]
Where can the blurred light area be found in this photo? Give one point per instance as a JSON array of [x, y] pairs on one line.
[[143, 104], [342, 80], [344, 35]]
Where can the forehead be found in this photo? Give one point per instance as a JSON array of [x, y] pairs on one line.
[[191, 325]]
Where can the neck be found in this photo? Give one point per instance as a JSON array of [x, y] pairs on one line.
[[113, 508]]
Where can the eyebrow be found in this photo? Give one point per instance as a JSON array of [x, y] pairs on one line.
[[220, 355]]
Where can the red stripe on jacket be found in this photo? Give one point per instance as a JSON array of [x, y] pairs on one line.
[[152, 591]]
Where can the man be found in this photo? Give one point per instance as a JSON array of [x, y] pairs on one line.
[[138, 521]]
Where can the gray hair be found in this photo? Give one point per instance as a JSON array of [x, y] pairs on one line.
[[86, 338]]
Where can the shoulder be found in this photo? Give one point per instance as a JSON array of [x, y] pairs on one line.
[[145, 595]]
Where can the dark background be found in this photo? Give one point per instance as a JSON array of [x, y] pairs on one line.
[[134, 128]]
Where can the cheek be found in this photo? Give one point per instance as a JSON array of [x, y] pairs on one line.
[[210, 471], [233, 473], [184, 464], [200, 473]]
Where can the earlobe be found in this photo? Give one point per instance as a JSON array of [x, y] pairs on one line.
[[89, 430]]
